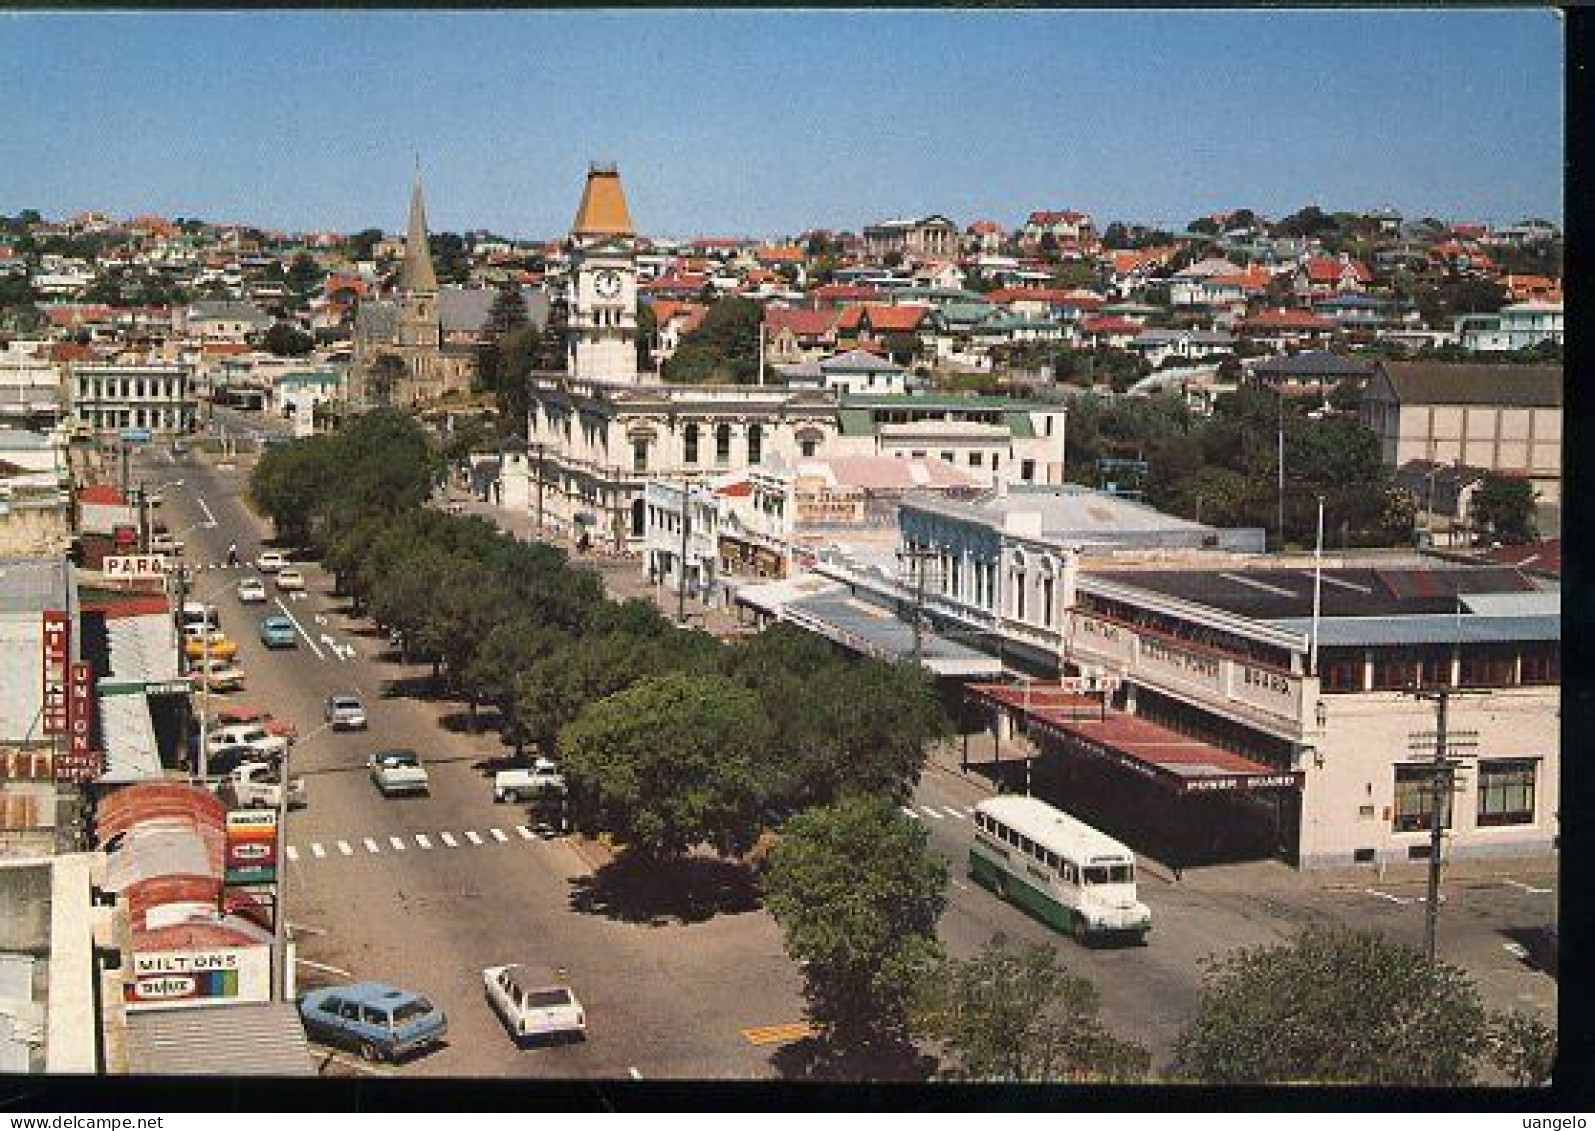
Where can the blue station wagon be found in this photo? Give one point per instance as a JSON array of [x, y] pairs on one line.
[[379, 1021], [278, 632]]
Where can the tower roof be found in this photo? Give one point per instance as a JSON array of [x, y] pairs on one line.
[[417, 274], [602, 211]]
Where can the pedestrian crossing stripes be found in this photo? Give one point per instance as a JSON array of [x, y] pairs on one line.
[[946, 811], [316, 850]]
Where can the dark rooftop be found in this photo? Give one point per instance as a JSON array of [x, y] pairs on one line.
[[1275, 594], [1519, 386]]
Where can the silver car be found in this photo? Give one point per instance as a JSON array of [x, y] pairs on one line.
[[345, 712]]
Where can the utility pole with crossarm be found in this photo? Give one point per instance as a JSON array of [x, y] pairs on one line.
[[1441, 788]]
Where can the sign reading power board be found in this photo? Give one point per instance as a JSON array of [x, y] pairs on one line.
[[57, 655], [81, 761], [170, 979], [250, 856]]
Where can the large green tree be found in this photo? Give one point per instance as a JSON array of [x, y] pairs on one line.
[[668, 764], [1334, 1006], [724, 348], [1503, 508], [1013, 1014], [857, 893]]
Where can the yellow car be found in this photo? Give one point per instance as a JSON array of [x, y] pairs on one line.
[[221, 648]]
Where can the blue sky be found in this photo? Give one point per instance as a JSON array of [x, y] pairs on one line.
[[762, 123]]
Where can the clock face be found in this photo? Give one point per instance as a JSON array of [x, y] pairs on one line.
[[607, 283]]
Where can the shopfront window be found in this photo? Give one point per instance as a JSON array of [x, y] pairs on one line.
[[1394, 670], [1340, 670], [1487, 666], [1415, 799], [1506, 791]]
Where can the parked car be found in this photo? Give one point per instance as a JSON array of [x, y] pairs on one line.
[[198, 612], [542, 780], [216, 675], [378, 1020], [198, 642], [258, 785], [290, 580], [236, 713], [250, 737], [252, 591], [345, 712], [279, 632], [270, 561], [398, 771], [533, 1003]]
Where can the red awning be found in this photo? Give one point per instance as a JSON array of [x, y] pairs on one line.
[[1084, 725]]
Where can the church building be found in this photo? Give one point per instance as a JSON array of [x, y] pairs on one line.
[[400, 356]]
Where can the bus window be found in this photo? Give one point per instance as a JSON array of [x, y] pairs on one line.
[[1096, 874], [1066, 870], [1121, 873], [1052, 860]]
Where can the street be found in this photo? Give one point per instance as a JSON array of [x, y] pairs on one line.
[[425, 892]]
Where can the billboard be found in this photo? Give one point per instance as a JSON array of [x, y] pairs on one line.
[[171, 979], [250, 855], [57, 655]]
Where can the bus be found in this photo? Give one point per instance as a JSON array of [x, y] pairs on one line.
[[1060, 870]]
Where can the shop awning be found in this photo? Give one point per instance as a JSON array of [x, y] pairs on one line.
[[235, 1040], [1084, 725]]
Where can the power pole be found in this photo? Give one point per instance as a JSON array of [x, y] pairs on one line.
[[918, 557], [1441, 787]]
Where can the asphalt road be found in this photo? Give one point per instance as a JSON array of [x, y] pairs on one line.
[[425, 892]]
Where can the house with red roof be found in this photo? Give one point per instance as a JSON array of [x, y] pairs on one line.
[[1285, 329], [797, 335], [1109, 330], [984, 237], [1532, 288], [838, 295], [1321, 276], [1067, 229], [676, 286]]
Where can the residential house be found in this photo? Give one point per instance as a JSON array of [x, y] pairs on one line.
[[221, 321], [1314, 372], [1112, 330], [1283, 329], [855, 371], [1503, 418], [983, 237], [1514, 327], [797, 335], [1159, 345], [896, 329], [1532, 288], [673, 321], [1320, 276], [1072, 233]]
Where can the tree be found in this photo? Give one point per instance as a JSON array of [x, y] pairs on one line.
[[724, 347], [1503, 506], [668, 764], [508, 313], [382, 381], [857, 893], [1309, 223], [362, 245], [647, 331], [1522, 1047], [285, 340], [1013, 1014], [1333, 1006]]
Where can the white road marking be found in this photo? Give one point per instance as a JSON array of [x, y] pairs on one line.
[[1527, 888], [320, 619], [526, 833], [210, 518], [472, 836], [300, 629], [499, 835], [343, 847], [1386, 895], [953, 812], [448, 839], [929, 812], [398, 845], [421, 839], [371, 846], [907, 812], [293, 854], [635, 1074], [317, 851]]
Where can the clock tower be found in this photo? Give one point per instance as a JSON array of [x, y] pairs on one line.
[[603, 287]]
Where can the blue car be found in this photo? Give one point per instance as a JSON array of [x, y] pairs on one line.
[[278, 632], [377, 1020]]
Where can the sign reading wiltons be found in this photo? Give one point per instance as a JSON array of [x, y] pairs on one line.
[[167, 979]]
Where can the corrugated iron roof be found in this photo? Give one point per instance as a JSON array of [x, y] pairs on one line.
[[240, 1040], [1434, 628]]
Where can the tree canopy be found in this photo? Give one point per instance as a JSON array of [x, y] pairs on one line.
[[1503, 508], [857, 894], [1013, 1014], [1334, 1006], [723, 349]]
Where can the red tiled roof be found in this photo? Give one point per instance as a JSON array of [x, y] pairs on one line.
[[1287, 320], [72, 351], [782, 254], [803, 323], [1109, 324], [1322, 269], [983, 226], [849, 318], [895, 318], [1053, 296], [102, 494], [1050, 218]]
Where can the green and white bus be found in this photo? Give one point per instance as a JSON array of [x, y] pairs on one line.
[[1061, 870]]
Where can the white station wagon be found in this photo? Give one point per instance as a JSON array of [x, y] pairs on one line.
[[533, 1003]]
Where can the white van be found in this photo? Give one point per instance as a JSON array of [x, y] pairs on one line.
[[197, 613]]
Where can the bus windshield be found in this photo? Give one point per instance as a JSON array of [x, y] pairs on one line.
[[1109, 873]]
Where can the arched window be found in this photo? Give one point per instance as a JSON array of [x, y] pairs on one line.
[[689, 444], [722, 444], [755, 443]]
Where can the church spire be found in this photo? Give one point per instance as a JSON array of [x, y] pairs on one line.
[[418, 274]]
